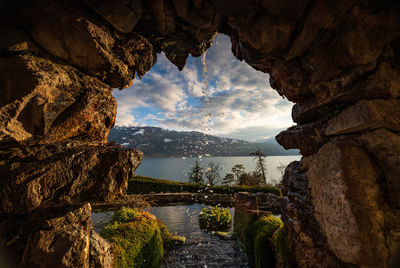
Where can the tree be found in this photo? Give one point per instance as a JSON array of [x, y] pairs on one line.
[[238, 170], [196, 173], [228, 179], [213, 173], [244, 179], [259, 157]]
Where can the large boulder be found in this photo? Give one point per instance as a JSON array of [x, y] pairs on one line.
[[62, 174], [51, 238]]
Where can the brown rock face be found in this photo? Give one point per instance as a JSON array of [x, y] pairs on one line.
[[56, 239], [50, 175], [337, 60], [346, 208]]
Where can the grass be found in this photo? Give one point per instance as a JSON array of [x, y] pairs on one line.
[[139, 238], [215, 218], [144, 185]]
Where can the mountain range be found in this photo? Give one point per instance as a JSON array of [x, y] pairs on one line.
[[160, 142]]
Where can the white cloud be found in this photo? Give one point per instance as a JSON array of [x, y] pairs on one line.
[[238, 101]]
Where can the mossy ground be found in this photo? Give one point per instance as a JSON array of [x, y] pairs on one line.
[[139, 238], [215, 218]]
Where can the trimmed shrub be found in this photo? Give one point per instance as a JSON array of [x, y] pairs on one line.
[[144, 185], [215, 218]]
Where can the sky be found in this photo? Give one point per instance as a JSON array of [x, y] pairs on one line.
[[214, 93]]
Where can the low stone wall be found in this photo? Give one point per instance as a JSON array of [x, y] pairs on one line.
[[159, 199], [267, 202]]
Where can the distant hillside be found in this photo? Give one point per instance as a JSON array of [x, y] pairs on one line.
[[159, 142]]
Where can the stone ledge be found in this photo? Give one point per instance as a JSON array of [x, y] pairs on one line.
[[366, 115]]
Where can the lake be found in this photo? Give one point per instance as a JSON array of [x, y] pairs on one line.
[[177, 169]]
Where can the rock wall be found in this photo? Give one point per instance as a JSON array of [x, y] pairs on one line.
[[337, 60]]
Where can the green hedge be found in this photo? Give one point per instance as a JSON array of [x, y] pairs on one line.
[[144, 185]]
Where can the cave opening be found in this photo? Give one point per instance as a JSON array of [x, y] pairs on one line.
[[338, 61], [214, 113], [216, 106]]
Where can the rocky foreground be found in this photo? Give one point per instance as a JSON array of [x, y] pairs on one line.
[[337, 60]]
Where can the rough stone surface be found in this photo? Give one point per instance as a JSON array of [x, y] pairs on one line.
[[51, 238], [384, 146], [61, 241], [52, 102], [101, 251], [306, 239], [308, 137], [366, 115], [123, 15], [269, 202], [345, 195], [337, 60], [61, 174]]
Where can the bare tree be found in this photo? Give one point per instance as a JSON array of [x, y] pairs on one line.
[[196, 173], [213, 173], [259, 157]]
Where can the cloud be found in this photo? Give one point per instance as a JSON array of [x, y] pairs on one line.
[[231, 99], [156, 90]]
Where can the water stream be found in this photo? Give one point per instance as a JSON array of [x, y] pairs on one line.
[[202, 249]]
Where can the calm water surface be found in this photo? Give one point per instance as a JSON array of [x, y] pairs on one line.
[[202, 249], [177, 169]]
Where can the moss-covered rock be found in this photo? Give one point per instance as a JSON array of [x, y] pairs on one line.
[[124, 215], [139, 238], [281, 241], [264, 246], [262, 239], [215, 218]]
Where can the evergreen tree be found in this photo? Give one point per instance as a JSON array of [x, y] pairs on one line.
[[238, 170], [196, 173], [259, 157], [228, 179], [250, 179]]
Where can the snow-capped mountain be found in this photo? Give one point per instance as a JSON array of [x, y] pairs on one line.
[[159, 142]]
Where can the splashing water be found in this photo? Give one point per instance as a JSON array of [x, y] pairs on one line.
[[206, 122], [205, 76]]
